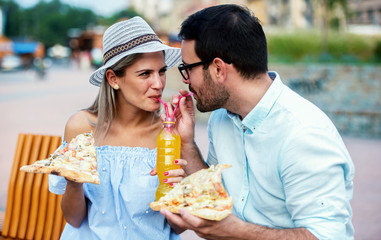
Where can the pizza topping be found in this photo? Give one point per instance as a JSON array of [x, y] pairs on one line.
[[76, 161], [202, 194]]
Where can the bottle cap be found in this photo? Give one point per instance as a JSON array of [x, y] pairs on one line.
[[169, 120]]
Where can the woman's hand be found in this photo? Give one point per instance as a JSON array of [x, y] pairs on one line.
[[73, 203], [174, 176]]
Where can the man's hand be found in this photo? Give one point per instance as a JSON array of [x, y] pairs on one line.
[[224, 229], [185, 117], [231, 227]]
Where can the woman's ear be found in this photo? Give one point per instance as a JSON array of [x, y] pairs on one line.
[[111, 78]]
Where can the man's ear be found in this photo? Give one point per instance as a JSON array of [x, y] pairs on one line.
[[220, 69], [111, 77]]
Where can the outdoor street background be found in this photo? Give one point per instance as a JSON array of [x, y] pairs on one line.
[[42, 106]]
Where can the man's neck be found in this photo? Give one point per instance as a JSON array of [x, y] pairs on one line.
[[245, 94]]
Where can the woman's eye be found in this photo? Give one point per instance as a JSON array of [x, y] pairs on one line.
[[143, 74]]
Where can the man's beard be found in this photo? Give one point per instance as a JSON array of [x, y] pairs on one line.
[[210, 96]]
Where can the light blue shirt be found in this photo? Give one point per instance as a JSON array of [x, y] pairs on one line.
[[290, 167], [118, 207]]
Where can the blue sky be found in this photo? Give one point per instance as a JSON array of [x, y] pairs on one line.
[[101, 7]]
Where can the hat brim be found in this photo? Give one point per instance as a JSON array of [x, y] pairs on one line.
[[172, 56]]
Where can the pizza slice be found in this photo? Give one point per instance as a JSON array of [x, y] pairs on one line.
[[76, 162], [201, 194]]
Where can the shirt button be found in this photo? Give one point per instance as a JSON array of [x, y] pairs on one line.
[[125, 227], [146, 211], [103, 212], [103, 169]]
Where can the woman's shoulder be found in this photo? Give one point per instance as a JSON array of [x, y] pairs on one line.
[[80, 122]]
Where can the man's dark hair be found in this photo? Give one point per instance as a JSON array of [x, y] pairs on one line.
[[230, 32]]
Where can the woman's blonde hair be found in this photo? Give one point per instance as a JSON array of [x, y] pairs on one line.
[[105, 105]]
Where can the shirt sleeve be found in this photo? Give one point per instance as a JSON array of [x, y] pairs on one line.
[[57, 184], [212, 158], [317, 173]]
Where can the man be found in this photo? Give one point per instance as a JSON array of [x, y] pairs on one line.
[[292, 177]]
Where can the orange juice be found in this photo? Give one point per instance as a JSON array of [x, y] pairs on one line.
[[168, 150]]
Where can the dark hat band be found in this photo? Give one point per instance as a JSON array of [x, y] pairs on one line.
[[129, 45]]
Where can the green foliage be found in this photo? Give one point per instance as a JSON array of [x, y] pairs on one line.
[[49, 21], [377, 51], [13, 17], [293, 46], [306, 46], [334, 23], [123, 14], [341, 44]]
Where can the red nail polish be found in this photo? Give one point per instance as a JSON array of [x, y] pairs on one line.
[[171, 184], [176, 161], [165, 180], [165, 173]]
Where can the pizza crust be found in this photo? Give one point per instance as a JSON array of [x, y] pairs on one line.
[[70, 174], [206, 213], [210, 214], [37, 168]]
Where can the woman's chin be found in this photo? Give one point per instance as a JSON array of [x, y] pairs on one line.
[[153, 108]]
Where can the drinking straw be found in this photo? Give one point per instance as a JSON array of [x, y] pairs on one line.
[[165, 106], [177, 105]]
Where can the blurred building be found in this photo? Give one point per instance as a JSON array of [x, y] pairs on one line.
[[284, 13], [5, 46], [5, 43], [2, 23], [24, 49], [86, 46], [364, 17], [167, 15], [365, 12]]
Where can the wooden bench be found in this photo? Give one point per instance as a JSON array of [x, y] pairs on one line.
[[32, 212]]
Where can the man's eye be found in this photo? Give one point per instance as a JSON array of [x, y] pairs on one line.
[[162, 71]]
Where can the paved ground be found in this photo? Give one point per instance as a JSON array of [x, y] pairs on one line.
[[31, 105]]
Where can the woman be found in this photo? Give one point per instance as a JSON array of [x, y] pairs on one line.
[[125, 124]]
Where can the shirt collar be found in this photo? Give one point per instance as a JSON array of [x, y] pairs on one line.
[[262, 109]]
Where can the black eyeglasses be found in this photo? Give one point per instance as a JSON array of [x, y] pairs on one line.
[[185, 68]]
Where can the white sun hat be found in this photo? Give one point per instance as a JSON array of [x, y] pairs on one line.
[[129, 37]]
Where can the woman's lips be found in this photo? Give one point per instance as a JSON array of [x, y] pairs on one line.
[[155, 97]]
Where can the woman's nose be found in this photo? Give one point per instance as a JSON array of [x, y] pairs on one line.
[[158, 81]]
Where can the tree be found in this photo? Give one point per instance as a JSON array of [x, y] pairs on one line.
[[52, 20], [13, 15], [123, 14], [46, 22], [327, 7]]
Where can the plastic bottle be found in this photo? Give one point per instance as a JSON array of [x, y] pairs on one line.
[[168, 149]]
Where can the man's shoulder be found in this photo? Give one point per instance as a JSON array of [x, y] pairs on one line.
[[301, 109], [218, 115]]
